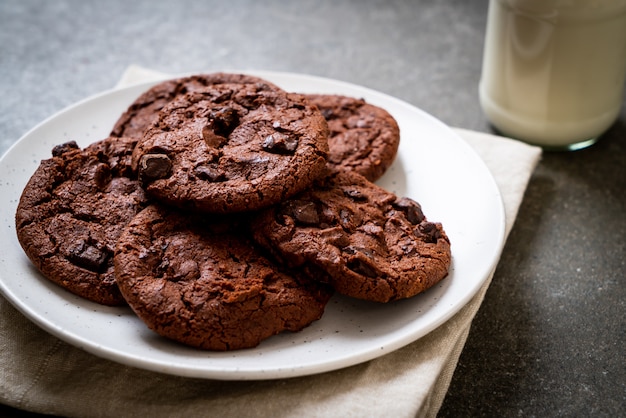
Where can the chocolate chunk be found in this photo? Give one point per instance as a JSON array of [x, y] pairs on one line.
[[344, 217], [280, 143], [58, 150], [188, 270], [336, 236], [355, 194], [359, 266], [154, 166], [87, 256], [411, 209], [210, 173], [327, 113], [430, 230], [361, 261], [303, 211], [102, 176], [223, 121], [212, 139]]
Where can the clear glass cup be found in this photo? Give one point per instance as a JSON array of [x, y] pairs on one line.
[[553, 70]]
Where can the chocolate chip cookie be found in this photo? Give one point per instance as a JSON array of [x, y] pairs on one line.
[[363, 138], [231, 148], [72, 211], [199, 280], [363, 240], [144, 111]]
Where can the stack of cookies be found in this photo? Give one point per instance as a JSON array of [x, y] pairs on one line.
[[224, 210]]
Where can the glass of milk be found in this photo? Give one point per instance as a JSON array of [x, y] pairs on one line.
[[553, 70]]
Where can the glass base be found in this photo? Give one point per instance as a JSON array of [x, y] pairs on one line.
[[571, 147], [552, 148]]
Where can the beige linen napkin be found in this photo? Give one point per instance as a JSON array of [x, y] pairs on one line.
[[41, 373]]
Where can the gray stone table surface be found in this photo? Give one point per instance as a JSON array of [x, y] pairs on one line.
[[550, 337]]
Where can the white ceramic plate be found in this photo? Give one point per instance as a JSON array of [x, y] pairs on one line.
[[434, 166]]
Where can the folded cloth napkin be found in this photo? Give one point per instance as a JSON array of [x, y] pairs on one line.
[[41, 373]]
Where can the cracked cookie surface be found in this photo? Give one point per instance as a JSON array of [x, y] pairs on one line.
[[363, 138], [231, 148], [72, 211], [201, 281], [144, 110], [363, 240]]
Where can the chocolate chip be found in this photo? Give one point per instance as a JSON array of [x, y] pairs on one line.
[[344, 217], [211, 138], [355, 194], [278, 126], [407, 248], [223, 121], [356, 250], [188, 270], [327, 113], [359, 266], [430, 230], [63, 148], [88, 256], [280, 143], [154, 167], [335, 236], [372, 229], [162, 268], [361, 261], [411, 209], [102, 176], [250, 100], [210, 173], [303, 211]]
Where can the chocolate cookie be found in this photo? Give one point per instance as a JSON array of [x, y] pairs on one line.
[[72, 211], [232, 147], [363, 240], [363, 138], [200, 281], [144, 111]]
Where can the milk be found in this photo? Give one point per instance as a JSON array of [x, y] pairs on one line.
[[553, 70]]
